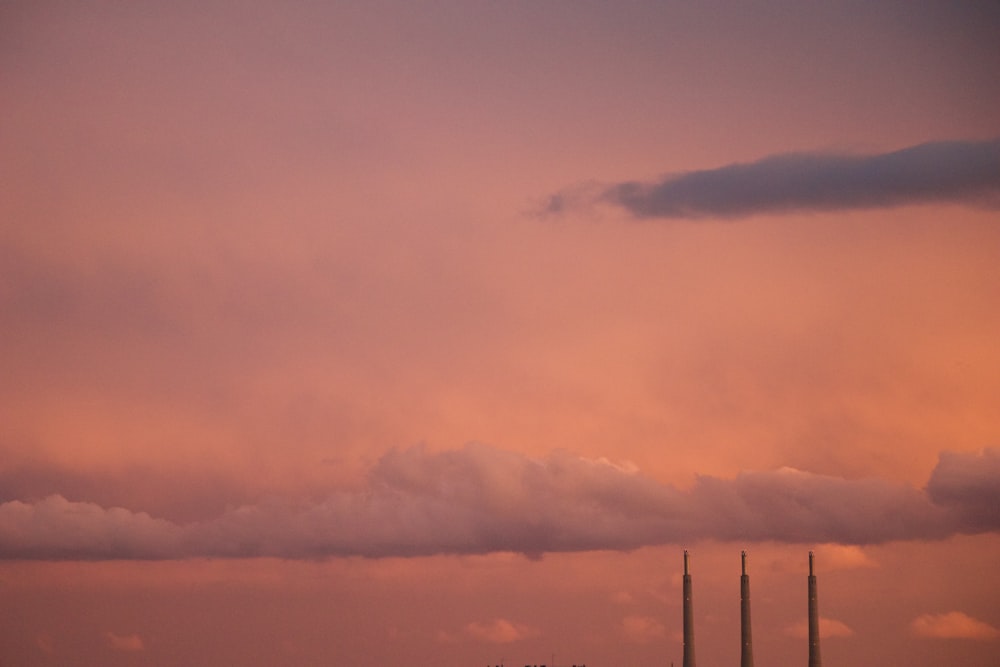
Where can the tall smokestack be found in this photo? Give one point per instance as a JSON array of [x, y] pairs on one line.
[[688, 617], [746, 643], [814, 660]]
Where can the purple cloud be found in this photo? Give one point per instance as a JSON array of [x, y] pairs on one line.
[[969, 487], [947, 171], [481, 499]]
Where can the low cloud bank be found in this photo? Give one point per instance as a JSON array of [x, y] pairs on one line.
[[948, 171], [481, 499]]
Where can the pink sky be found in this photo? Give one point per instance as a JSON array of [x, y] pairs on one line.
[[431, 334]]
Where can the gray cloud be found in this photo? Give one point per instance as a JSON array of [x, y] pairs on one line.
[[150, 489], [969, 487], [55, 528], [949, 171], [481, 499]]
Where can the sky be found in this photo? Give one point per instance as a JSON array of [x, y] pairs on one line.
[[399, 333]]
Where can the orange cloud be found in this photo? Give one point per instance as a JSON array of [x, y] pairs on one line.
[[843, 557], [500, 631], [952, 625], [642, 629], [828, 627], [622, 597], [131, 642], [45, 644], [445, 637]]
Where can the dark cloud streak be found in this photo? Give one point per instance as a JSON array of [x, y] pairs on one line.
[[951, 171]]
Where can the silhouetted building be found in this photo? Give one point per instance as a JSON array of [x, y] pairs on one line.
[[814, 660], [688, 617], [746, 643]]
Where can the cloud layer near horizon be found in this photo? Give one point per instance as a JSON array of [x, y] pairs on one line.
[[481, 499], [948, 171]]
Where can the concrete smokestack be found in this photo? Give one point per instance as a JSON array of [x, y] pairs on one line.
[[746, 643], [688, 617], [814, 660]]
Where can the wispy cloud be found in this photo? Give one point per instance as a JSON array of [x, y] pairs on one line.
[[843, 557], [482, 499], [948, 171], [952, 625], [828, 627], [129, 643], [643, 629], [45, 644], [499, 631]]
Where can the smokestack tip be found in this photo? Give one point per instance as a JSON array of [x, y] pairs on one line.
[[810, 563], [743, 557]]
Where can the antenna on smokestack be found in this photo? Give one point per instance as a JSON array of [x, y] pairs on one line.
[[746, 643], [814, 659], [688, 617]]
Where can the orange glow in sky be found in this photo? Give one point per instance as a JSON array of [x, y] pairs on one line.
[[416, 334]]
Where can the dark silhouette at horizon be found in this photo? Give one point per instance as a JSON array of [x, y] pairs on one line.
[[746, 643], [688, 616], [814, 659]]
